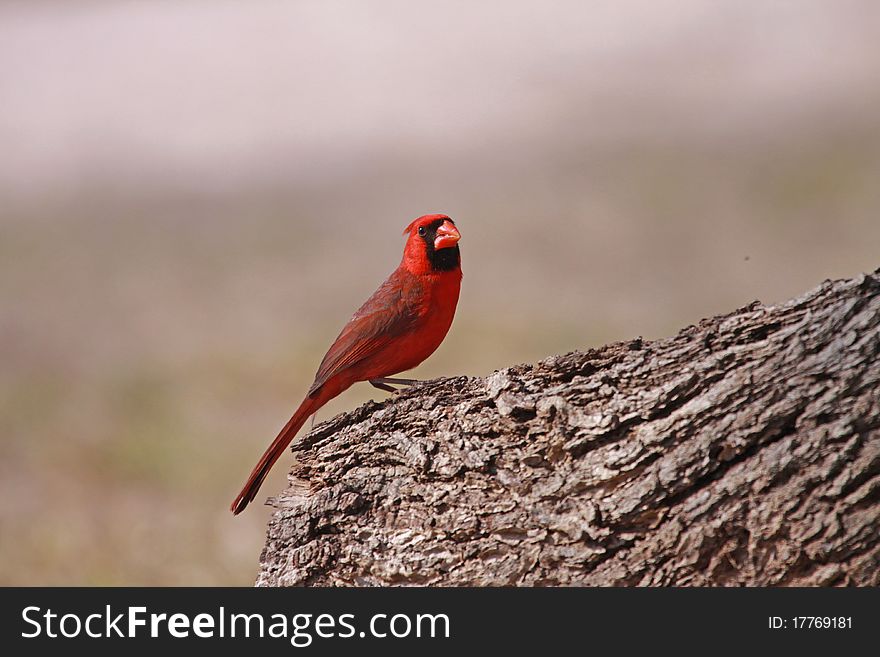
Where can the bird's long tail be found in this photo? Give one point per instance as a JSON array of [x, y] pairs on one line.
[[247, 494]]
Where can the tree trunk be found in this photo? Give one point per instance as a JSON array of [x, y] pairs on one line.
[[742, 451]]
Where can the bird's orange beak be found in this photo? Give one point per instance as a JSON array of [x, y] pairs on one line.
[[447, 235]]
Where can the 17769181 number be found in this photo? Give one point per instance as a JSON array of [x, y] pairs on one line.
[[810, 623]]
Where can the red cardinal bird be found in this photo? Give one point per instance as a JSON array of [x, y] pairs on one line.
[[397, 328]]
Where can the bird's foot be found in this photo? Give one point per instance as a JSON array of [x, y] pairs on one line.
[[386, 383]]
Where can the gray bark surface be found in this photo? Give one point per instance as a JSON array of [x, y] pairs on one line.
[[743, 451]]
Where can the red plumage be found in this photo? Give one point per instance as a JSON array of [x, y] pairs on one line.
[[398, 327]]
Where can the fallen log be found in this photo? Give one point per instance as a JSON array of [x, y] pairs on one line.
[[744, 450]]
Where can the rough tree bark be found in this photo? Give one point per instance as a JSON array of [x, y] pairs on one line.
[[744, 450]]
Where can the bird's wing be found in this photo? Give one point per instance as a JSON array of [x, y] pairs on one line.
[[390, 312]]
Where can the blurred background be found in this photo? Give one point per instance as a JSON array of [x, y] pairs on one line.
[[195, 196]]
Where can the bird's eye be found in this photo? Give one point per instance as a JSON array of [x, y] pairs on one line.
[[422, 231]]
